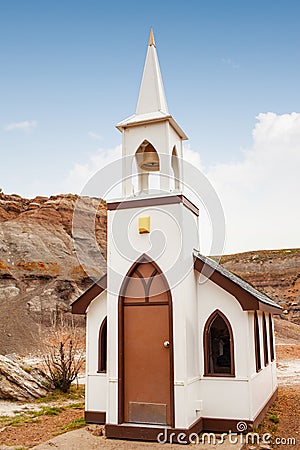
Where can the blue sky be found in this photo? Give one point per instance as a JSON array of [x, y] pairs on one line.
[[70, 70]]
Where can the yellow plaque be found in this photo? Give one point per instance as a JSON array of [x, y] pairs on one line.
[[144, 224]]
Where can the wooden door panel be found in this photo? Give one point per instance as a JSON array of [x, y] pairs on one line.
[[147, 364]]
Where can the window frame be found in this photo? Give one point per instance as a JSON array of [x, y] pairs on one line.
[[265, 340], [206, 332], [271, 338], [102, 347], [258, 363]]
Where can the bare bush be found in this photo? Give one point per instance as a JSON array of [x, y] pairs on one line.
[[64, 355]]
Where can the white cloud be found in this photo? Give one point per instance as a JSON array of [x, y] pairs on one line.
[[192, 156], [95, 136], [80, 174], [230, 63], [259, 194], [25, 125]]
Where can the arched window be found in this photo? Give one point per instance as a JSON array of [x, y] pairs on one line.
[[147, 165], [257, 343], [271, 338], [218, 346], [265, 337], [102, 347], [145, 283], [175, 167]]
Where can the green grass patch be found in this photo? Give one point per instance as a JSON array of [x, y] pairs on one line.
[[52, 410], [56, 395], [74, 425], [78, 405], [30, 416], [274, 418]]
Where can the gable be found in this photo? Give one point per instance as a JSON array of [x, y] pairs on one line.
[[80, 305], [249, 298]]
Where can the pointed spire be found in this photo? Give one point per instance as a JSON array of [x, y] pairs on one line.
[[151, 38], [152, 95]]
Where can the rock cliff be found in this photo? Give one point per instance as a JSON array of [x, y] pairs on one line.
[[274, 272], [39, 272]]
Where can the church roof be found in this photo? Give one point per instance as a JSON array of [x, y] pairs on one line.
[[152, 94], [80, 305], [248, 297]]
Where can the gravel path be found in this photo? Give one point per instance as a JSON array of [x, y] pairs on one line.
[[85, 440]]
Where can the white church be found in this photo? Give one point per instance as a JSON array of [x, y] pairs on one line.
[[165, 352]]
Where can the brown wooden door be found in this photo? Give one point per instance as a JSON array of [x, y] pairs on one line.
[[147, 357]]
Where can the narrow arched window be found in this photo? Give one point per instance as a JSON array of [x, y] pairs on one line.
[[102, 347], [175, 167], [271, 338], [265, 337], [218, 346], [257, 343]]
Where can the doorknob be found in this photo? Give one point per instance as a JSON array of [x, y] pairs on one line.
[[166, 344]]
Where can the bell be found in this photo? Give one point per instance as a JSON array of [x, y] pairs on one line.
[[150, 161]]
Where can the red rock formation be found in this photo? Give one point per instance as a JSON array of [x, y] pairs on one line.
[[40, 274]]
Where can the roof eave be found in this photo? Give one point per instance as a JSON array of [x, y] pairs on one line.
[[130, 123], [247, 300], [81, 304]]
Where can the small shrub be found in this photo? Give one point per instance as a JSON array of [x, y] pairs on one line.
[[273, 428], [274, 418], [63, 356]]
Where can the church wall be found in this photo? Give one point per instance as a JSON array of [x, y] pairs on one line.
[[96, 383], [224, 396], [261, 388], [178, 226], [263, 383]]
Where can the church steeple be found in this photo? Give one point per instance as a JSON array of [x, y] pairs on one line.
[[152, 139], [152, 95]]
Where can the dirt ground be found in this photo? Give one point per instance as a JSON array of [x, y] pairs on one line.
[[282, 420]]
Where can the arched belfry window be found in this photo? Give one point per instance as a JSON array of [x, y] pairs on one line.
[[147, 162], [175, 167], [102, 347], [218, 346], [147, 157]]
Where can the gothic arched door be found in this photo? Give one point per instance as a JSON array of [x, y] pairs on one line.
[[146, 349]]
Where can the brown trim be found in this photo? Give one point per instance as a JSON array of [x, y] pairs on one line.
[[80, 305], [141, 433], [142, 259], [261, 414], [265, 340], [209, 321], [217, 425], [207, 424], [95, 417], [247, 301], [102, 347], [154, 201], [186, 202], [145, 303], [257, 343], [271, 338]]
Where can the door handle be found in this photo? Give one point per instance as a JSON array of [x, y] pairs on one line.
[[166, 344]]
